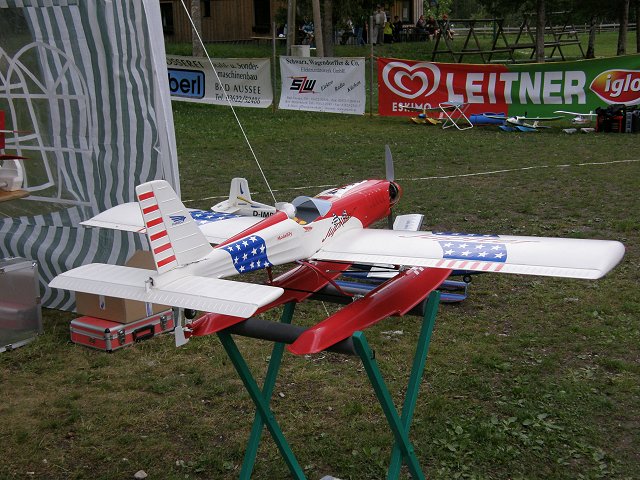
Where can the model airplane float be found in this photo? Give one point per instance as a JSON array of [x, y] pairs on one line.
[[325, 235], [522, 123]]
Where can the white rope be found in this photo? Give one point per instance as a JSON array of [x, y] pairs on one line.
[[447, 177], [228, 100]]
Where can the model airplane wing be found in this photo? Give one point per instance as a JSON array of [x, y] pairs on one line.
[[540, 119], [227, 297], [558, 257], [216, 226], [577, 114], [421, 109]]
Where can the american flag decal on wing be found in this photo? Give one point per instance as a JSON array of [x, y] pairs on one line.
[[248, 254], [472, 251], [201, 216]]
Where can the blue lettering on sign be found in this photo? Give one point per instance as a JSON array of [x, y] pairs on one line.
[[186, 83]]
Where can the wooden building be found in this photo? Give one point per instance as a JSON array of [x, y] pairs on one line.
[[222, 20], [234, 20]]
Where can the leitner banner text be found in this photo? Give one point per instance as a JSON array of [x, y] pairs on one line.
[[537, 89]]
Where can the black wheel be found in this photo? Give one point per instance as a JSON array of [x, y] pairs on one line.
[[190, 314]]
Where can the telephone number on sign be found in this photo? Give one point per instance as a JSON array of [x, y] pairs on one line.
[[244, 99]]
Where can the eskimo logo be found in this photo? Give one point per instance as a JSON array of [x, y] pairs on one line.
[[618, 86], [177, 219], [411, 81], [302, 84]]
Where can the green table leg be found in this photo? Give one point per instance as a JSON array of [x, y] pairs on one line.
[[261, 404], [375, 377], [419, 361], [267, 391]]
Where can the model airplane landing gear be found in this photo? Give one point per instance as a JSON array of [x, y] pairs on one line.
[[284, 332], [190, 314]]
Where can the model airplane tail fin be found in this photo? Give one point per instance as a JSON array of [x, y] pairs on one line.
[[240, 189], [174, 236]]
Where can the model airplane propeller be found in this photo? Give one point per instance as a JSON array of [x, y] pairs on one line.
[[325, 235], [522, 123]]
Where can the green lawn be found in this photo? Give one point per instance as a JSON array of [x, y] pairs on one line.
[[529, 378]]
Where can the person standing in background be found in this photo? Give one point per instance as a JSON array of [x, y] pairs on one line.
[[379, 19]]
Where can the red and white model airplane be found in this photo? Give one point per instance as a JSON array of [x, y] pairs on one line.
[[325, 235], [579, 118]]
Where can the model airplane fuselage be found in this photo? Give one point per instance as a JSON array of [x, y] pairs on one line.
[[519, 123], [296, 232], [579, 118]]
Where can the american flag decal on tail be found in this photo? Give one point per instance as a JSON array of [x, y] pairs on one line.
[[163, 252], [471, 251]]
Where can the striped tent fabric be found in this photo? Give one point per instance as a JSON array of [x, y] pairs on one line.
[[85, 84]]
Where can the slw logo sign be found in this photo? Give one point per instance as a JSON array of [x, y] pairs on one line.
[[302, 84]]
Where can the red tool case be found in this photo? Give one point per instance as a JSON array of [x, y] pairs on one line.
[[109, 336]]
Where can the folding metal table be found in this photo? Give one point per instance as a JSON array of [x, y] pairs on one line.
[[456, 116], [282, 333]]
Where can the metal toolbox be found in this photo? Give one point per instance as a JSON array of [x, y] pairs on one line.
[[20, 310], [109, 336]]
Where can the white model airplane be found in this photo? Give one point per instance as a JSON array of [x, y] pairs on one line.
[[522, 123], [11, 174], [579, 118], [325, 235], [11, 169], [241, 203]]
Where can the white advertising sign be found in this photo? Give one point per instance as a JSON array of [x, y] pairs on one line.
[[323, 84], [246, 81]]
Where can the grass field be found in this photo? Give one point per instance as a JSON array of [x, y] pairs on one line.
[[529, 378]]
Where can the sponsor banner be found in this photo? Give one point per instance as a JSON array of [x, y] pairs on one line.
[[531, 89], [323, 84], [246, 81]]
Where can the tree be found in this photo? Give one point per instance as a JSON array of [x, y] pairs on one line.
[[540, 26], [317, 27], [624, 26], [591, 12], [637, 15], [327, 28], [591, 44], [197, 50]]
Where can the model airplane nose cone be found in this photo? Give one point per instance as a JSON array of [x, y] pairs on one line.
[[395, 193]]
